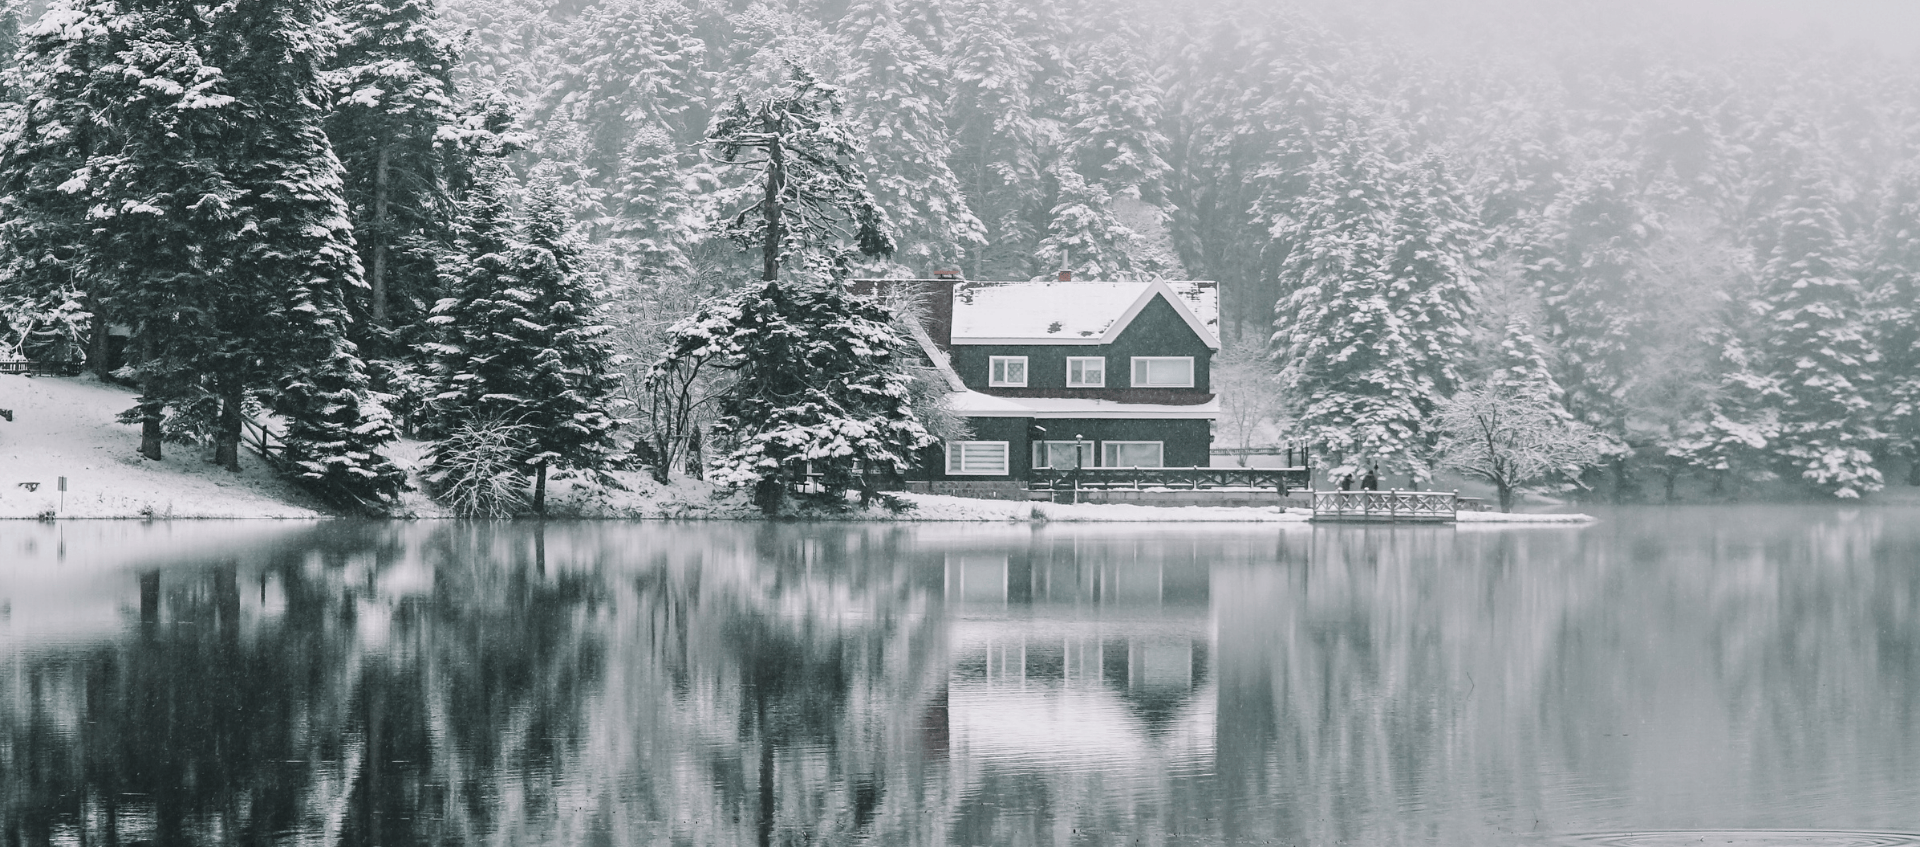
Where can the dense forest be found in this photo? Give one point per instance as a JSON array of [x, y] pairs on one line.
[[1699, 243]]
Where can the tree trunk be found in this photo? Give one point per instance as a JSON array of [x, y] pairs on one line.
[[98, 349], [1505, 492], [1913, 469], [540, 489], [226, 439], [149, 427], [770, 207], [377, 268]]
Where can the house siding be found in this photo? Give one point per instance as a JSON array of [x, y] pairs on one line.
[[1156, 331], [1187, 442]]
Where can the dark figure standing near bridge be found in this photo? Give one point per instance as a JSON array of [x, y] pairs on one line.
[[1371, 482]]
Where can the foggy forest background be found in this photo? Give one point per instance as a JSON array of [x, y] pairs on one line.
[[1697, 234]]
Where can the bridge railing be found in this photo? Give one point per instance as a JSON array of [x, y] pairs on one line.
[[1411, 505], [1280, 480]]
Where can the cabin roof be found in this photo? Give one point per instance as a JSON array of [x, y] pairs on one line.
[[1054, 312]]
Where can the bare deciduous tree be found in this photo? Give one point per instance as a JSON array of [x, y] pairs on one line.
[[1511, 439]]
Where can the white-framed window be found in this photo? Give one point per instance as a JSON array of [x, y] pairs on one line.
[[1086, 371], [1132, 454], [1007, 371], [977, 458], [1059, 455], [1163, 371]]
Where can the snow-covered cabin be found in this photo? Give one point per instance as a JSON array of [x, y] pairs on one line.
[[1115, 372]]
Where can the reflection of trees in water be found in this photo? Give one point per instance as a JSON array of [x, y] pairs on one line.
[[207, 724], [1436, 686]]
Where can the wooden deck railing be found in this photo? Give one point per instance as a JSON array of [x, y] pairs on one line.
[[1385, 505], [28, 366], [1281, 480]]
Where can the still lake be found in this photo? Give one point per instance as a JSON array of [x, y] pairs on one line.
[[1637, 681]]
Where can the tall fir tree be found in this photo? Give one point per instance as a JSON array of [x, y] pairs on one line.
[[391, 126], [1587, 264], [995, 153], [899, 95], [1083, 235], [1345, 349], [1815, 345], [482, 359], [1894, 300], [1433, 257], [302, 252], [568, 392], [1113, 116], [56, 126]]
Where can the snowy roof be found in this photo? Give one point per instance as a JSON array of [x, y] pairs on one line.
[[1052, 312], [974, 404]]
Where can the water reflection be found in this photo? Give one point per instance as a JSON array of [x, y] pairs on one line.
[[612, 684]]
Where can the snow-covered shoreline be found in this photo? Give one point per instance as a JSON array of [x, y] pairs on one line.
[[65, 427]]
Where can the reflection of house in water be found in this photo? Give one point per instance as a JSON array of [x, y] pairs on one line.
[[1073, 654]]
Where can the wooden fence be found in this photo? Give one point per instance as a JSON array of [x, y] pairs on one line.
[[28, 366], [1281, 480], [1414, 506]]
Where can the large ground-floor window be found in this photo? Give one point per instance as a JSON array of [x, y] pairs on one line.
[[1132, 454], [977, 458], [1059, 455]]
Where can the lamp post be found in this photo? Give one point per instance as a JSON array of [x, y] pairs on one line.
[[1079, 447]]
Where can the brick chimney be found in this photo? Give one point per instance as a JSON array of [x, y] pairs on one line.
[[939, 294], [1066, 276]]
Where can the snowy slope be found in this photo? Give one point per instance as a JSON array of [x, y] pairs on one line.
[[65, 427]]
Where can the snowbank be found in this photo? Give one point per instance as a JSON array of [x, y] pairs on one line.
[[1508, 518], [65, 427]]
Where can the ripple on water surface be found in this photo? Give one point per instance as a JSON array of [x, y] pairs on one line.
[[1745, 838]]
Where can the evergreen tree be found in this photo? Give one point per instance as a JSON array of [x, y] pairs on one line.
[[302, 252], [1084, 236], [1112, 120], [482, 358], [165, 229], [1520, 367], [1345, 347], [811, 205], [654, 212], [1588, 267], [1814, 341], [899, 98], [568, 388], [1895, 316], [44, 195], [1433, 261], [995, 135], [819, 383], [393, 112]]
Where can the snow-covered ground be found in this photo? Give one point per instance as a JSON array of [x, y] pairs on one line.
[[66, 427]]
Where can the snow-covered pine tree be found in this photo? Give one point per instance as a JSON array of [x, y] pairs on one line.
[[1112, 119], [164, 231], [1434, 237], [568, 390], [393, 112], [1083, 235], [652, 209], [44, 192], [818, 380], [819, 383], [898, 95], [1344, 345], [1587, 263], [1734, 437], [302, 252], [995, 135], [1814, 342], [1895, 314], [800, 152], [1520, 367], [482, 356]]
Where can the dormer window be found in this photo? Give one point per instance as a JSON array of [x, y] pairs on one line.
[[1006, 371], [1086, 371], [1163, 372]]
